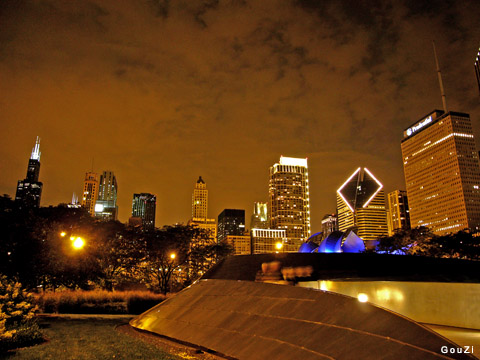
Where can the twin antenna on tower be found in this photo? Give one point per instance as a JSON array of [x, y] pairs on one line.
[[444, 100]]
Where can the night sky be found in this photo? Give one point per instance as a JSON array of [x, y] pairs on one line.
[[161, 92]]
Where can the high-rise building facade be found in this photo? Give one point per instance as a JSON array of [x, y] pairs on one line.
[[241, 244], [329, 225], [267, 241], [29, 190], [361, 206], [289, 201], [144, 207], [442, 173], [230, 222], [259, 219], [90, 192], [398, 215], [106, 206], [200, 211]]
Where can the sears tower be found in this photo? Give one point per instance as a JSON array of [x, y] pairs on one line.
[[29, 190]]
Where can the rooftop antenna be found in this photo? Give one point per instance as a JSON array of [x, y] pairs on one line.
[[444, 100], [93, 158], [477, 68], [36, 150]]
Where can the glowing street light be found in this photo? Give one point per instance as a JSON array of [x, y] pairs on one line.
[[172, 256], [63, 234], [78, 243], [279, 245], [362, 297]]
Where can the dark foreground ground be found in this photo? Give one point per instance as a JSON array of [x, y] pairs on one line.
[[100, 337]]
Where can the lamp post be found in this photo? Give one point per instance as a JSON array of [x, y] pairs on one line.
[[278, 246], [77, 242]]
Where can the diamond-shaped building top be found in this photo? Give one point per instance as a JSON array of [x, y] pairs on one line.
[[361, 205]]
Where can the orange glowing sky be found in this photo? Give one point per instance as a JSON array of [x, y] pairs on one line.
[[161, 92]]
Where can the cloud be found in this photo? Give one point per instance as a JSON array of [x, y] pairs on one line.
[[164, 91]]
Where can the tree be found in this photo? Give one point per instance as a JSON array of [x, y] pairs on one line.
[[167, 250], [403, 242], [421, 241], [118, 252], [203, 257]]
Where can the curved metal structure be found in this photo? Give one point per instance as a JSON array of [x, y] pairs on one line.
[[252, 320]]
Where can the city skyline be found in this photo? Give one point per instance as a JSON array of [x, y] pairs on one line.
[[162, 93]]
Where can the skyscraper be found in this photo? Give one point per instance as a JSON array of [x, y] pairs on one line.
[[442, 173], [361, 206], [477, 69], [259, 219], [230, 222], [200, 200], [29, 190], [90, 192], [398, 215], [106, 206], [144, 206], [289, 203], [200, 211], [329, 224]]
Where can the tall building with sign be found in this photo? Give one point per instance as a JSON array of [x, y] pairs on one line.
[[442, 173], [289, 201], [106, 207], [361, 206], [29, 190], [398, 214], [143, 207], [230, 222], [90, 192]]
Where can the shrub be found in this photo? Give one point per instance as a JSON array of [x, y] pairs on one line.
[[98, 302], [139, 303], [18, 326]]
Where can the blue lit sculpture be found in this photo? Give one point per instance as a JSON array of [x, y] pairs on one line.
[[353, 243], [332, 243], [308, 247]]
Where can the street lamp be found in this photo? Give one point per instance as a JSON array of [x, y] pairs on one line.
[[172, 256], [78, 243], [362, 297], [279, 246]]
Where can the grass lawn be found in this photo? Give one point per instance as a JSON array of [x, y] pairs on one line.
[[91, 338]]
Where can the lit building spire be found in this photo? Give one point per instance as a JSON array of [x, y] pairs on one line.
[[29, 190], [36, 150]]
